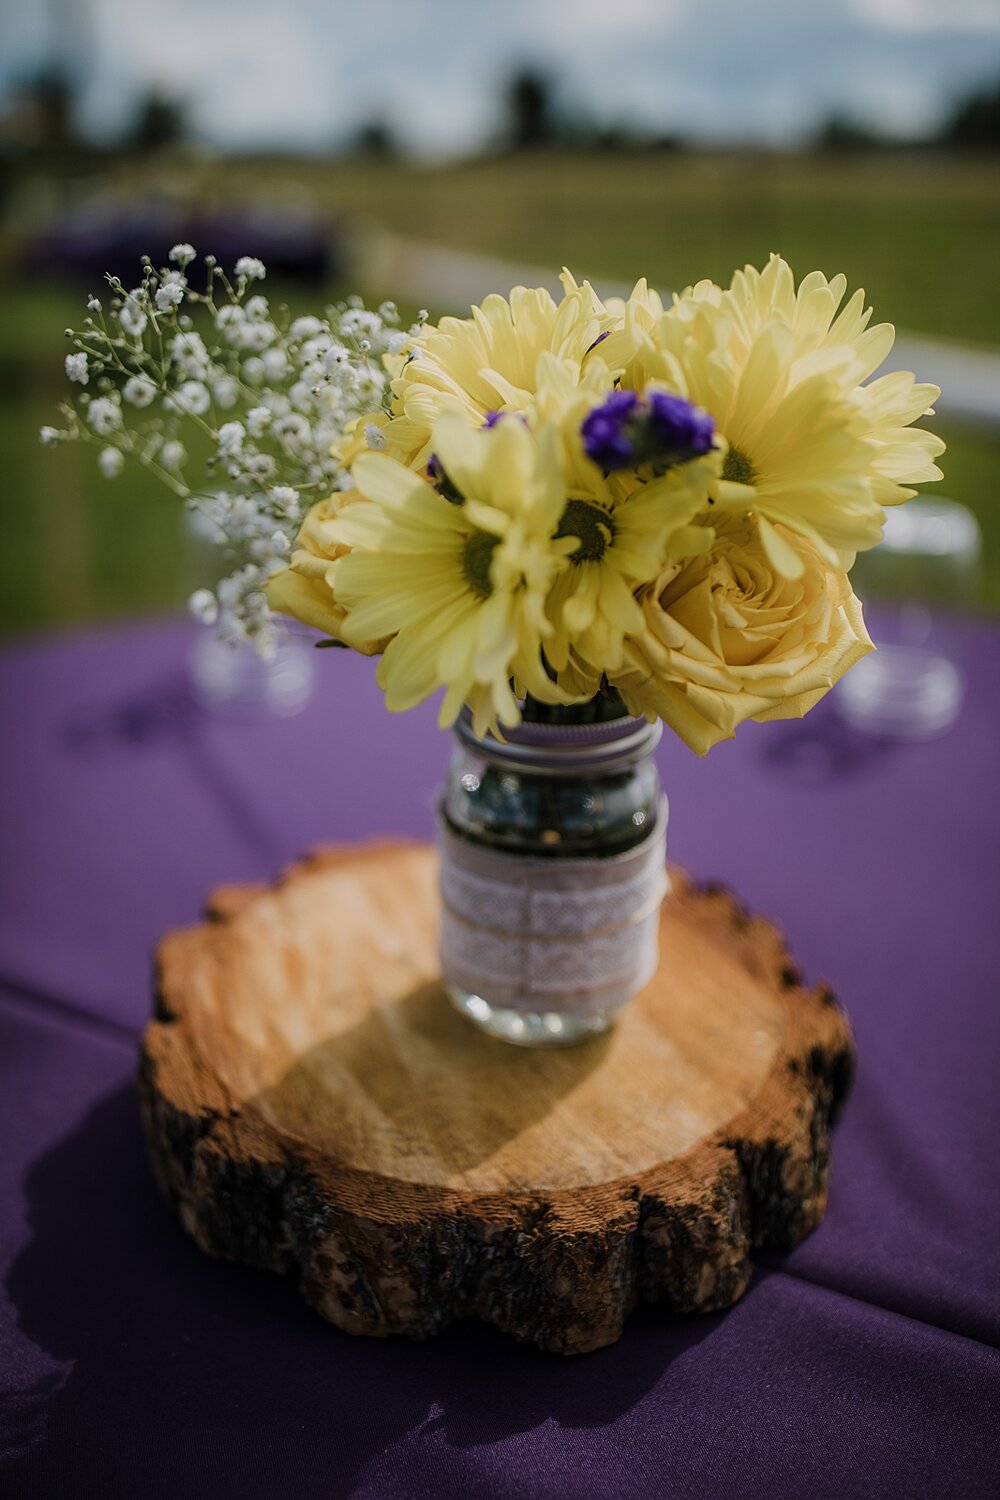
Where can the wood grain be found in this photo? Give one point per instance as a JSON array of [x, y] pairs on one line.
[[315, 1106]]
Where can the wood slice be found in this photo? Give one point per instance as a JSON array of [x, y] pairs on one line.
[[315, 1106]]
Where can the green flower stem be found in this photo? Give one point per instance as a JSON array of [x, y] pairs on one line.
[[603, 707]]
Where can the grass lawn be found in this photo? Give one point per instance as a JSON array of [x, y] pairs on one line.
[[922, 235]]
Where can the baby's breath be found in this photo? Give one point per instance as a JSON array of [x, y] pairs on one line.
[[272, 396], [77, 368], [111, 461]]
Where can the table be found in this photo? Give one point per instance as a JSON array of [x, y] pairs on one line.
[[864, 1363]]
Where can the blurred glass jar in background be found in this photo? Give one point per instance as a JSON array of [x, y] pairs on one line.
[[926, 566], [235, 680]]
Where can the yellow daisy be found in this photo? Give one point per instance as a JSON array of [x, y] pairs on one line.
[[617, 545], [820, 325], [623, 523], [488, 362], [458, 585], [811, 448]]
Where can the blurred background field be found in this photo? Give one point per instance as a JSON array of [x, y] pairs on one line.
[[915, 219]]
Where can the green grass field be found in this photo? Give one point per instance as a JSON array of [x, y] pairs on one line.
[[921, 234]]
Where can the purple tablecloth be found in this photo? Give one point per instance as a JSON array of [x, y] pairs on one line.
[[865, 1363]]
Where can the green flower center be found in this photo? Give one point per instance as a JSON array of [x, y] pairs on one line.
[[477, 555], [593, 528], [738, 468]]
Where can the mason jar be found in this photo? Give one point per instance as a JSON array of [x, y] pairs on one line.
[[552, 846]]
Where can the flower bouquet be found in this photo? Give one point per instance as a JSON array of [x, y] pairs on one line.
[[580, 519]]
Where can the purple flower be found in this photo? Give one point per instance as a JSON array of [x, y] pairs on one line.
[[493, 417], [627, 431], [438, 477], [680, 431], [608, 431]]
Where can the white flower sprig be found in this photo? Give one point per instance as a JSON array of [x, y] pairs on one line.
[[271, 394]]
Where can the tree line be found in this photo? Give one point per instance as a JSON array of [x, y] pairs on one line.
[[533, 115]]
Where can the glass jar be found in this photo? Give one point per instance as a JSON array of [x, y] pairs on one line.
[[926, 565], [552, 849]]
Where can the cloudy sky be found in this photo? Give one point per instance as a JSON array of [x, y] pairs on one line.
[[303, 72]]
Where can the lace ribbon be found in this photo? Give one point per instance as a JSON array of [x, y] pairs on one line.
[[577, 935]]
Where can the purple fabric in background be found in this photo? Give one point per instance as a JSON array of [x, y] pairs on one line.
[[865, 1363]]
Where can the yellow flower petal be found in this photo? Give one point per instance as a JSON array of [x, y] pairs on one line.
[[781, 553]]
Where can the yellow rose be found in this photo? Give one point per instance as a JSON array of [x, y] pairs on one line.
[[728, 638], [303, 589]]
